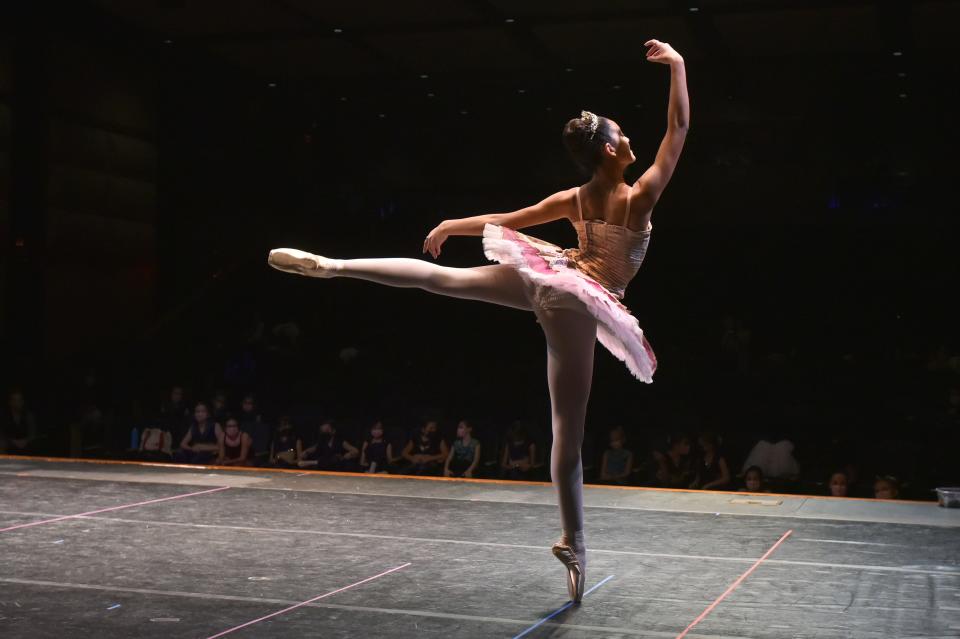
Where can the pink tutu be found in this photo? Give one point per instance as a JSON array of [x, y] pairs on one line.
[[547, 268]]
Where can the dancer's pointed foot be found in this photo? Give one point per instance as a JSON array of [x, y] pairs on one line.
[[576, 579], [302, 263]]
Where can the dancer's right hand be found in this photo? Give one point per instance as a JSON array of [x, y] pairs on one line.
[[435, 240]]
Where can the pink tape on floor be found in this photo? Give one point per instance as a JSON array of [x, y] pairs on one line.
[[733, 585], [308, 601], [105, 510]]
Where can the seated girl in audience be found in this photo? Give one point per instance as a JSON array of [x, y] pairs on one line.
[[617, 461], [518, 454], [674, 469], [838, 484], [201, 443], [464, 455], [886, 487], [234, 444], [712, 470], [753, 481], [330, 452], [283, 448], [377, 453]]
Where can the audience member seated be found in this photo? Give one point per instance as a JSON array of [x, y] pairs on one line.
[[329, 452], [234, 444], [219, 411], [376, 454], [156, 444], [464, 456], [253, 424], [838, 484], [425, 452], [175, 413], [617, 462], [18, 426], [774, 456], [201, 444], [754, 481], [674, 467], [518, 454], [886, 487], [711, 467], [283, 446]]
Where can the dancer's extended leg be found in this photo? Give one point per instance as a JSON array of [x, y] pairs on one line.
[[495, 283], [571, 338]]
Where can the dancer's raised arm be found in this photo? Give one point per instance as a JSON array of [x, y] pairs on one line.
[[651, 184]]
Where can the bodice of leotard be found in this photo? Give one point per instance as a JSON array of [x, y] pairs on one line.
[[611, 254]]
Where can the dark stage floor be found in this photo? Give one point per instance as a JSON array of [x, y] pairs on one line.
[[119, 550]]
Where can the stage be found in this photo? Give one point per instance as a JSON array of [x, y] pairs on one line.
[[135, 550]]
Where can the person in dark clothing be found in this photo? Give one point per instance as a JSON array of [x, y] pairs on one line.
[[425, 452], [201, 443], [330, 452], [376, 455], [519, 453], [18, 426], [283, 447]]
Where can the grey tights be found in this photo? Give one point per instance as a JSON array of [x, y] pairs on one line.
[[570, 336]]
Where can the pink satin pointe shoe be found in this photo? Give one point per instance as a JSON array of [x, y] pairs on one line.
[[576, 580], [291, 260]]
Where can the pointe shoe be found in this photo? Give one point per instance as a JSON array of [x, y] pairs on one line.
[[576, 580], [300, 262]]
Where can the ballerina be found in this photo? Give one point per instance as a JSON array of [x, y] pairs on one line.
[[575, 293]]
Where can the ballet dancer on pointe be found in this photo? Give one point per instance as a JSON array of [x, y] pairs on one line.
[[575, 293]]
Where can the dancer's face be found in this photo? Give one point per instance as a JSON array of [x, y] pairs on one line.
[[200, 413], [376, 431], [429, 428], [752, 481], [623, 151], [616, 441], [462, 429]]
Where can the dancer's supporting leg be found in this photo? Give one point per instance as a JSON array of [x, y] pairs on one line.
[[495, 283], [571, 338]]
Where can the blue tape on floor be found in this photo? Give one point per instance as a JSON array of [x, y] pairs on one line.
[[561, 609]]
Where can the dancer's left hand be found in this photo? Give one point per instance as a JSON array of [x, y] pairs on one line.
[[435, 240]]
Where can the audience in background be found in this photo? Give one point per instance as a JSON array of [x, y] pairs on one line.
[[674, 467], [18, 426], [253, 424], [774, 456], [886, 487], [464, 456], [201, 443], [218, 407], [175, 413], [617, 461], [330, 450], [156, 444], [425, 451], [754, 481], [234, 444], [711, 469], [283, 446], [376, 453], [839, 484], [519, 453]]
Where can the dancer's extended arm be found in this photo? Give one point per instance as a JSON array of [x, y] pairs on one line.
[[553, 207], [651, 184]]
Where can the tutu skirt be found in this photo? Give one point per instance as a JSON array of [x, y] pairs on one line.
[[553, 281]]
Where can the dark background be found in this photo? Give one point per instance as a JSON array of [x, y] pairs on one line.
[[152, 152]]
